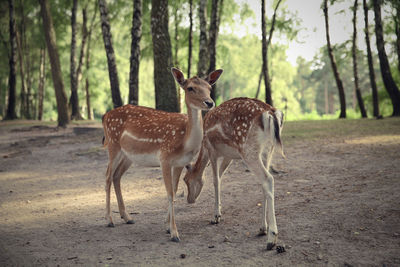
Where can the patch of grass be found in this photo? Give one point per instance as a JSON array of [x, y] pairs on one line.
[[340, 128]]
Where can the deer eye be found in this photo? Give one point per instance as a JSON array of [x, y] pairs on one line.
[[190, 89]]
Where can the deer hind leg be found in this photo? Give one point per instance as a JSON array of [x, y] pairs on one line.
[[123, 166], [268, 215], [176, 174], [169, 186], [114, 160], [217, 172]]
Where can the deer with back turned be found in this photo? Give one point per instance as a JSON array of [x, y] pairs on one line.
[[240, 128], [149, 137]]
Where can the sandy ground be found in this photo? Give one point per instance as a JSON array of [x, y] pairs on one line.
[[337, 202]]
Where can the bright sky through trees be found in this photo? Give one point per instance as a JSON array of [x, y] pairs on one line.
[[312, 36]]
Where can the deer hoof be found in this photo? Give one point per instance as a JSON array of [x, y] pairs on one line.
[[168, 231], [262, 232], [175, 239], [270, 246], [111, 224], [216, 220], [130, 222]]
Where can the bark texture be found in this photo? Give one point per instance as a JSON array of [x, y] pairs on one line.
[[370, 63], [89, 111], [136, 34], [338, 80], [112, 66], [190, 38], [203, 41], [82, 50], [388, 81], [355, 71], [61, 97], [165, 90], [74, 100], [265, 46], [212, 41], [11, 113], [42, 80]]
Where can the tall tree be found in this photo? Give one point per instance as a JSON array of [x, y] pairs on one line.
[[112, 66], [42, 80], [82, 50], [354, 54], [388, 81], [203, 40], [136, 33], [21, 40], [165, 90], [50, 35], [11, 114], [89, 112], [74, 100], [212, 41], [190, 38], [339, 82], [265, 45], [396, 18], [370, 63]]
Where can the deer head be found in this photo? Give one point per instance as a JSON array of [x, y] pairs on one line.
[[197, 90]]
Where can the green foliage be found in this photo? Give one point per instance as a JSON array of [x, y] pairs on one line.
[[299, 91]]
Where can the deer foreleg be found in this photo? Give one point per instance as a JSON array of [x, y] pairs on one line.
[[169, 186]]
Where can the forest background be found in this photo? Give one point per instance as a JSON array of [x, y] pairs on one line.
[[304, 89]]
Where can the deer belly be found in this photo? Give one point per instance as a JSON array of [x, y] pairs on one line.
[[224, 150], [185, 159], [145, 160]]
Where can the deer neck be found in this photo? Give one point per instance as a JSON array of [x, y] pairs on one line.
[[194, 129]]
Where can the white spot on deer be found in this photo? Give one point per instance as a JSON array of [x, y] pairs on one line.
[[239, 133], [173, 132], [182, 132], [140, 115]]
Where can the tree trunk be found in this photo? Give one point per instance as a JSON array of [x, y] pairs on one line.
[[112, 67], [82, 52], [390, 85], [74, 100], [212, 43], [42, 80], [355, 71], [176, 48], [339, 82], [259, 83], [370, 63], [89, 111], [203, 41], [49, 31], [265, 46], [397, 30], [190, 36], [165, 90], [176, 37], [23, 94], [268, 97], [11, 114], [135, 53]]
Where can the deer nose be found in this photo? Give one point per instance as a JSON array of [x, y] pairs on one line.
[[209, 104]]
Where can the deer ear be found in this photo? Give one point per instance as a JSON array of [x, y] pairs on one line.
[[214, 76], [178, 75]]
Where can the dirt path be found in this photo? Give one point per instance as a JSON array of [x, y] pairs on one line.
[[337, 202]]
